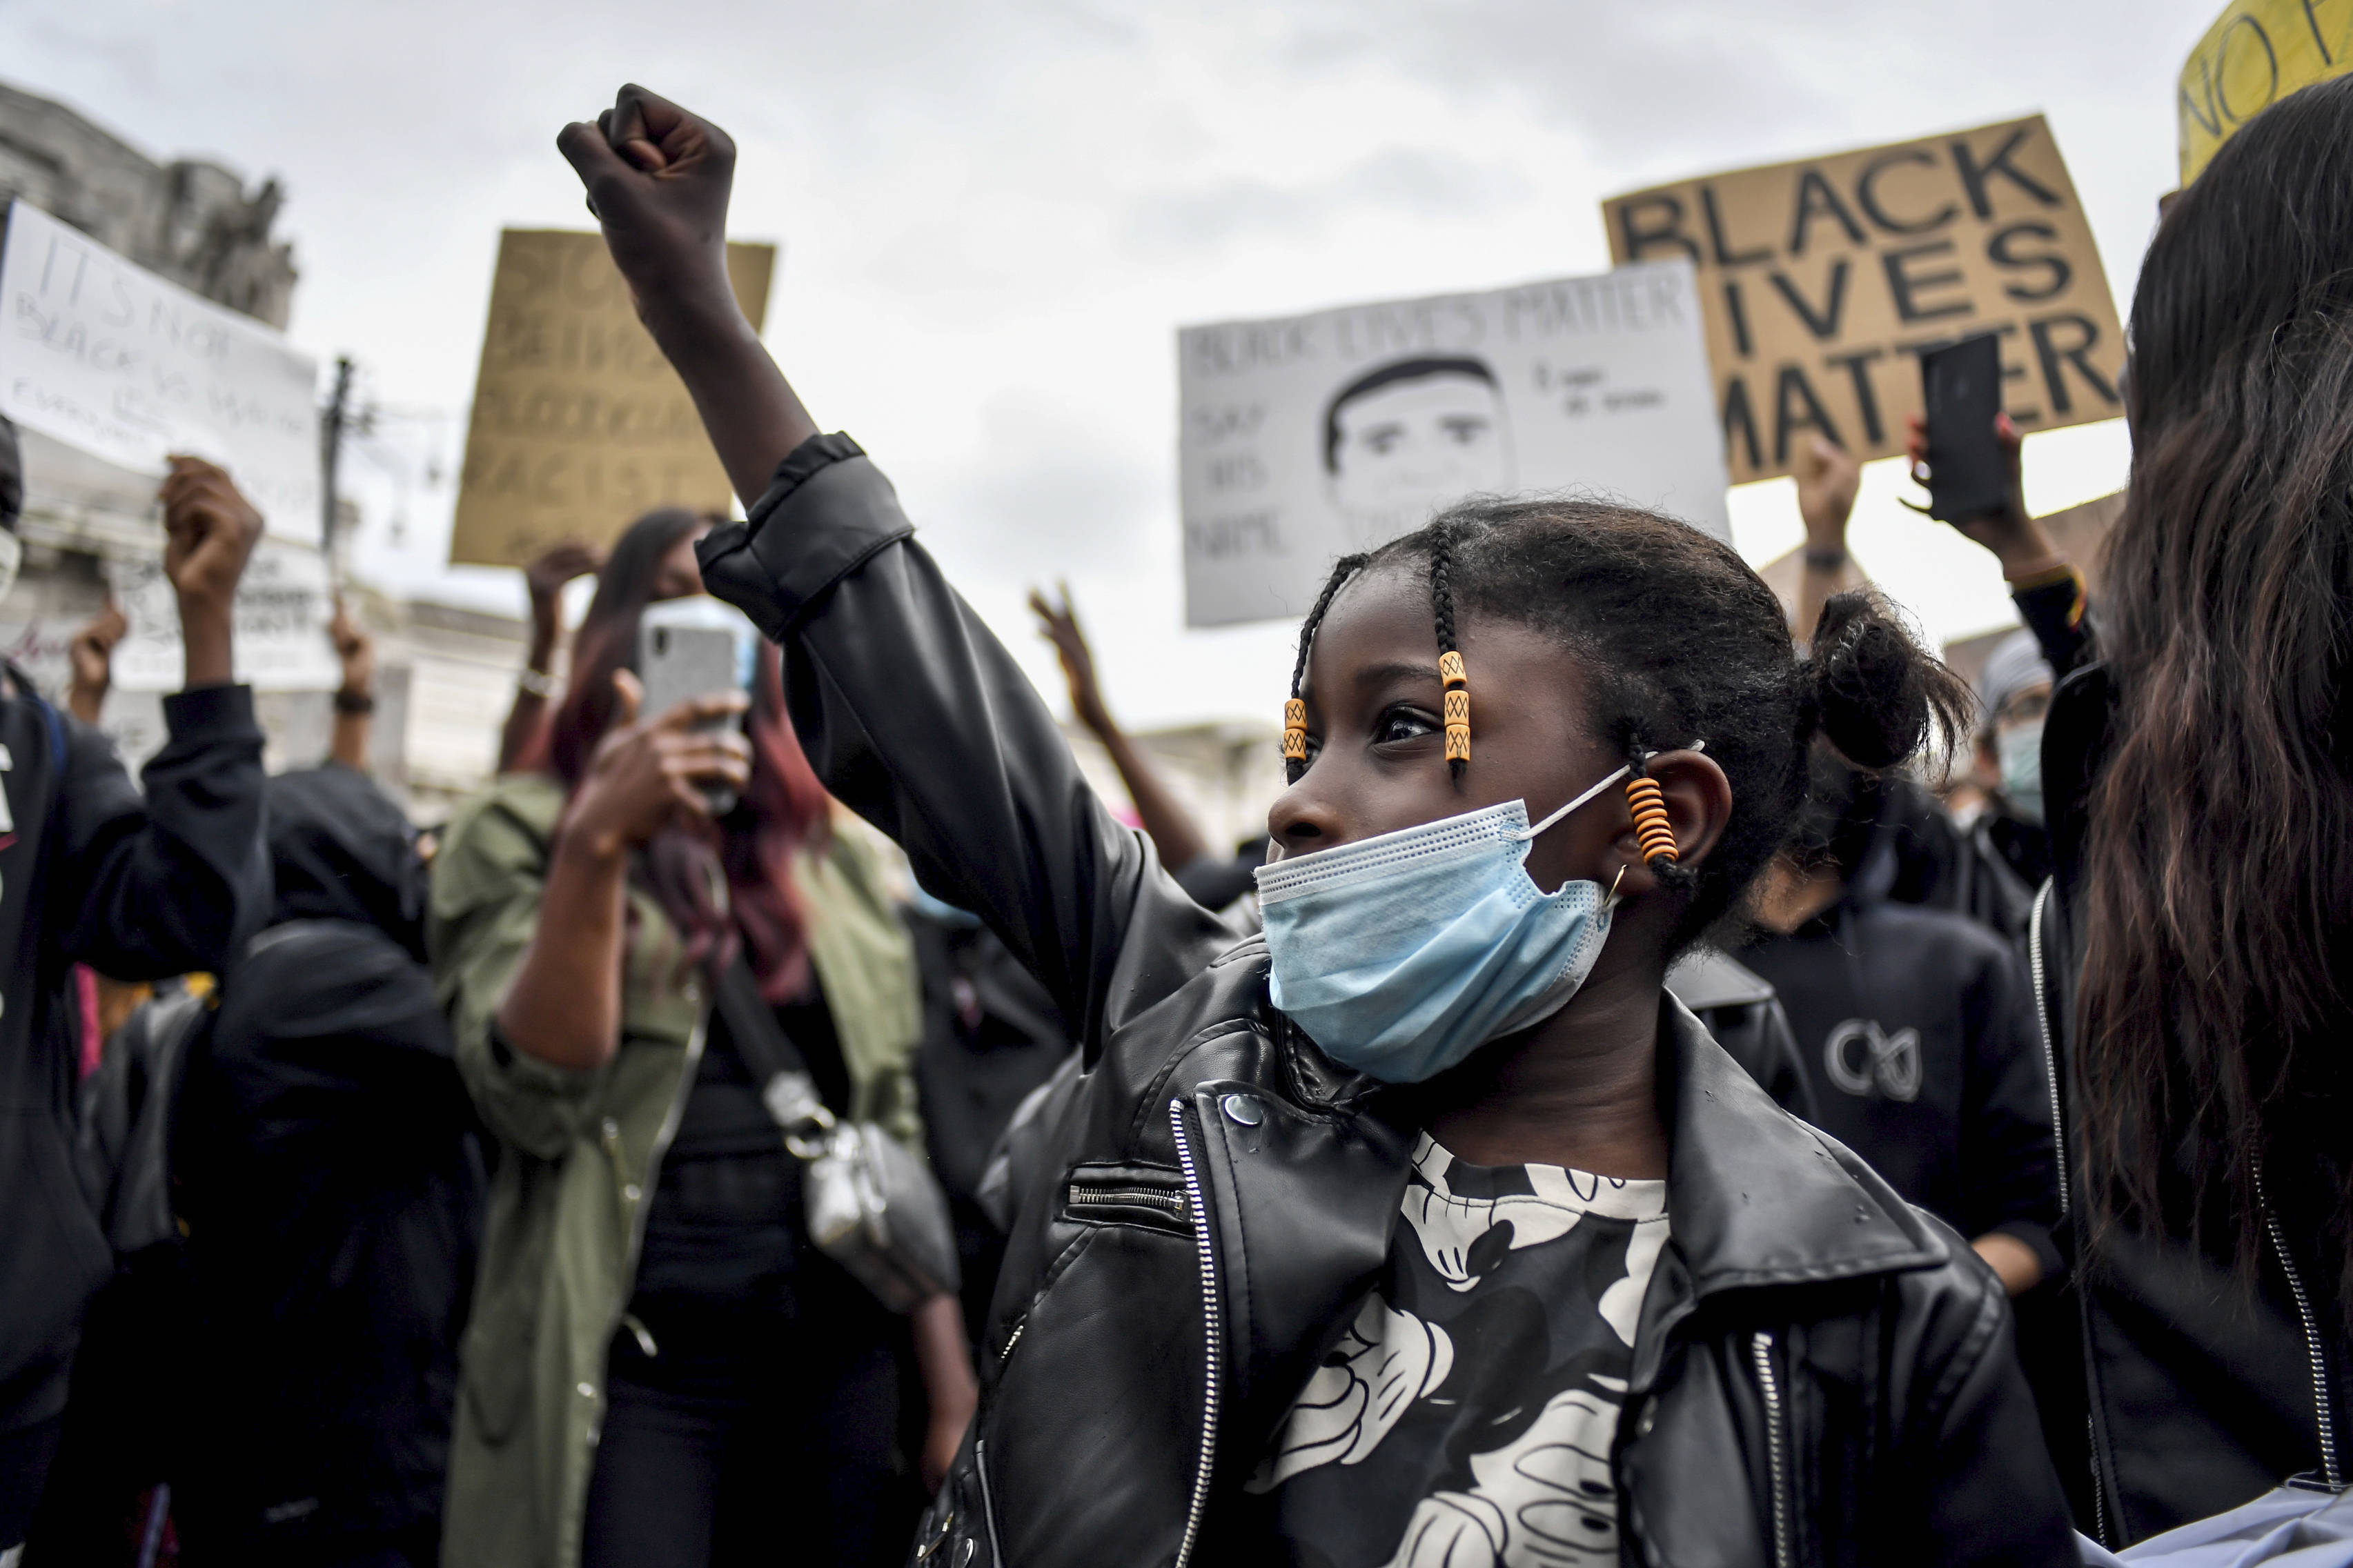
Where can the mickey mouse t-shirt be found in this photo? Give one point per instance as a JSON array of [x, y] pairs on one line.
[[1466, 1419]]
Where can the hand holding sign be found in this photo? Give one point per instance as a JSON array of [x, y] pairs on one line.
[[657, 179], [211, 530]]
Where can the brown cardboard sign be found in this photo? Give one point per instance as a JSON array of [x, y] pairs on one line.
[[1824, 281], [580, 427]]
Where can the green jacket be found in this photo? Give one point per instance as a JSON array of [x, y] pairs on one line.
[[581, 1151]]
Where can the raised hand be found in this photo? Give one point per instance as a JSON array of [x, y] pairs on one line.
[[1828, 478], [1059, 625], [657, 179], [91, 656], [647, 775], [210, 530], [355, 649], [545, 577]]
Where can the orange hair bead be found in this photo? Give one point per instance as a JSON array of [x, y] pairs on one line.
[[1651, 828], [1457, 706], [1295, 731]]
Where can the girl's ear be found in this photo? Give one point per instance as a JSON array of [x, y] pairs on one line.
[[1698, 799]]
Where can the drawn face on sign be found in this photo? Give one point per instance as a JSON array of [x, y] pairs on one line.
[[1411, 437]]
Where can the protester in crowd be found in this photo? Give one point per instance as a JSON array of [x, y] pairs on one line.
[[1214, 877], [992, 1035], [696, 1383], [354, 698], [1916, 1026], [1736, 1004], [2198, 781], [329, 1177], [545, 577], [138, 886], [2013, 697], [90, 660], [1209, 1247], [1940, 862]]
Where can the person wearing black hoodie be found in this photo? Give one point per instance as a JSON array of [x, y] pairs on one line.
[[331, 1183], [137, 887], [1916, 1026]]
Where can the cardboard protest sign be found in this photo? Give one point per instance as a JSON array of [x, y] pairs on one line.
[[2256, 52], [283, 605], [104, 356], [579, 425], [1311, 437], [1824, 279]]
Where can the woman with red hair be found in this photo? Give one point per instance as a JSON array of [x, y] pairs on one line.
[[660, 1368]]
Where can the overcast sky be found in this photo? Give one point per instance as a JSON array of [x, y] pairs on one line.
[[994, 216]]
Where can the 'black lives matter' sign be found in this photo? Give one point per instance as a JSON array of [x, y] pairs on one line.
[[1823, 281]]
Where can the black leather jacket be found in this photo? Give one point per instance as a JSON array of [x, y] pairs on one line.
[[1821, 1373]]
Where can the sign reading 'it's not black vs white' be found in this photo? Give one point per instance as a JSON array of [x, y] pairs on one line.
[[1824, 279]]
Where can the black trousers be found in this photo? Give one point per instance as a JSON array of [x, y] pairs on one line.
[[785, 1452]]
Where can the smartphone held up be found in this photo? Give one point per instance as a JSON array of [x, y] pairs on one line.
[[697, 647], [1967, 471]]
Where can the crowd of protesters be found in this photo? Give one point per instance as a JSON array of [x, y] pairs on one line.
[[1618, 1111]]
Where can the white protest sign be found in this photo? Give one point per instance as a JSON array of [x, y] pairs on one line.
[[105, 357], [283, 605], [1310, 439]]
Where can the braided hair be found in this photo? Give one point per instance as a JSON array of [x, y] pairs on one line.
[[1294, 737], [1677, 640]]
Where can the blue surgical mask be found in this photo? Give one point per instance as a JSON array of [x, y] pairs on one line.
[[2019, 749], [1402, 954]]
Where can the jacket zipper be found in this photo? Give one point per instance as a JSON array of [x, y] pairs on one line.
[[1083, 1197], [2050, 1051], [987, 1506], [2323, 1406], [2037, 975], [1212, 1320], [640, 1206], [1777, 1447]]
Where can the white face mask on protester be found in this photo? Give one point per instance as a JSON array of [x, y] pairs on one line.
[[2020, 750]]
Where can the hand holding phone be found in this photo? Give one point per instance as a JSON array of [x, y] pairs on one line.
[[693, 647], [1969, 473]]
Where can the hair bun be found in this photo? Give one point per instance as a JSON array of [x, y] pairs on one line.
[[1877, 695]]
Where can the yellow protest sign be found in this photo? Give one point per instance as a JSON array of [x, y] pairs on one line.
[[579, 425], [2257, 51], [1824, 279]]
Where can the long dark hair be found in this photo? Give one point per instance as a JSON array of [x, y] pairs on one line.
[[2218, 860], [1680, 641], [749, 852]]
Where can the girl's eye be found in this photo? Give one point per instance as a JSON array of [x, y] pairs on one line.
[[1403, 724]]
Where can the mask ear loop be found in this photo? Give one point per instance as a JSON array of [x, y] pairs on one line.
[[1530, 832]]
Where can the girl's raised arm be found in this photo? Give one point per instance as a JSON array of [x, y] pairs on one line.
[[910, 711]]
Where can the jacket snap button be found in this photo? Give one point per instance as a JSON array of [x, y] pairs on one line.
[[1244, 1111], [587, 1391], [1649, 1419], [692, 991]]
